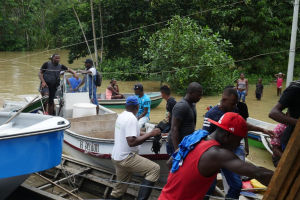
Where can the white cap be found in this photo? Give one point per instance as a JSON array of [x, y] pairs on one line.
[[279, 73]]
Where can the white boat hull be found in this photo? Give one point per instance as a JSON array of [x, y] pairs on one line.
[[98, 151]]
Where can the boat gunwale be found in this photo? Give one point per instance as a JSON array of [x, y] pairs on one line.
[[111, 141], [32, 133]]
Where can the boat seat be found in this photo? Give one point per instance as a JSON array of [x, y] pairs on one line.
[[103, 96]]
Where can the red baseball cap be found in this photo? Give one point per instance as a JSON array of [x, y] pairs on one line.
[[233, 123]]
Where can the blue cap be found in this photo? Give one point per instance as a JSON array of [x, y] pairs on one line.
[[132, 100]]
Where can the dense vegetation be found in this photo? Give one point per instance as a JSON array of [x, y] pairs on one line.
[[228, 34]]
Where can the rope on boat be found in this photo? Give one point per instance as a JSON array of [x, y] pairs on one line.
[[158, 188]]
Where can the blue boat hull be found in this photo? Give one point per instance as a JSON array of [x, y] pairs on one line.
[[23, 156]]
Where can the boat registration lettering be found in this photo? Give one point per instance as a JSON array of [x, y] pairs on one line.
[[88, 146]]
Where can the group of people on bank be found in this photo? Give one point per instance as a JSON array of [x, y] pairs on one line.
[[196, 156]]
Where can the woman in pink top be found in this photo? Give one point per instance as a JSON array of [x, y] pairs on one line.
[[280, 77], [112, 91]]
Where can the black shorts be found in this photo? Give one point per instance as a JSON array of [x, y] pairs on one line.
[[51, 90], [258, 96]]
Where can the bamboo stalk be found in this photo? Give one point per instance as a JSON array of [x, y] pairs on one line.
[[101, 32], [87, 44], [94, 34]]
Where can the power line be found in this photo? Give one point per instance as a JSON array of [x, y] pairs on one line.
[[160, 72], [142, 27]]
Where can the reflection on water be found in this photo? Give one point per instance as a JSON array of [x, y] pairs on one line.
[[19, 78]]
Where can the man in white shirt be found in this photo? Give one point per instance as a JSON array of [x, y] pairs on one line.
[[90, 77], [125, 152]]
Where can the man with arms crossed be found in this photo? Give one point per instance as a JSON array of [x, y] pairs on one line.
[[125, 152]]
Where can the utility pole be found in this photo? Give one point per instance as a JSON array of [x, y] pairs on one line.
[[290, 71], [94, 35]]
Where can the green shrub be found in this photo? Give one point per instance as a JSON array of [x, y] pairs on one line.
[[125, 69]]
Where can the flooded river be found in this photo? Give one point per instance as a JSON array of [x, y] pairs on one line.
[[19, 78]]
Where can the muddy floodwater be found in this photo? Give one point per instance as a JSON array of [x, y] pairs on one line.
[[18, 72]]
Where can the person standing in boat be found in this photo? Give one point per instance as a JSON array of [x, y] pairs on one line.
[[228, 104], [143, 115], [112, 91], [194, 167], [242, 86], [171, 101], [90, 73], [279, 77], [49, 75], [125, 152], [184, 116]]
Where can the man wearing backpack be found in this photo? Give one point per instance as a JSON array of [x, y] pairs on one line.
[[90, 76], [49, 76]]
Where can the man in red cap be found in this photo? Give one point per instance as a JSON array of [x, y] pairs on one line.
[[198, 161]]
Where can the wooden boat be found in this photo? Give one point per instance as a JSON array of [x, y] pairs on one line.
[[91, 139], [29, 143], [79, 180], [120, 103], [34, 107], [259, 139]]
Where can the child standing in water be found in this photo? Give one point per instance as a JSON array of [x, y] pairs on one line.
[[279, 77], [259, 89]]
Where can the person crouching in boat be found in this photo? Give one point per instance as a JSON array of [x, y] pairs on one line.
[[201, 155], [112, 91], [125, 152]]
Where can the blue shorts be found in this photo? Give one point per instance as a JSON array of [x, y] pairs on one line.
[[242, 95]]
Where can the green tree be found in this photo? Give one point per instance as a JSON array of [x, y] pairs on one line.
[[183, 52]]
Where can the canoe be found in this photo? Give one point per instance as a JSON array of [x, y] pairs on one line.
[[155, 98], [259, 139], [91, 139], [34, 107], [29, 143]]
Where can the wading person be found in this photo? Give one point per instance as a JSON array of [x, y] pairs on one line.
[[49, 75], [171, 101], [125, 152], [259, 89], [90, 73], [290, 99], [279, 77], [143, 115], [228, 104], [112, 91], [201, 164], [184, 116], [242, 86]]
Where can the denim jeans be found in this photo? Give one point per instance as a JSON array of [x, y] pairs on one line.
[[234, 181], [242, 94]]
